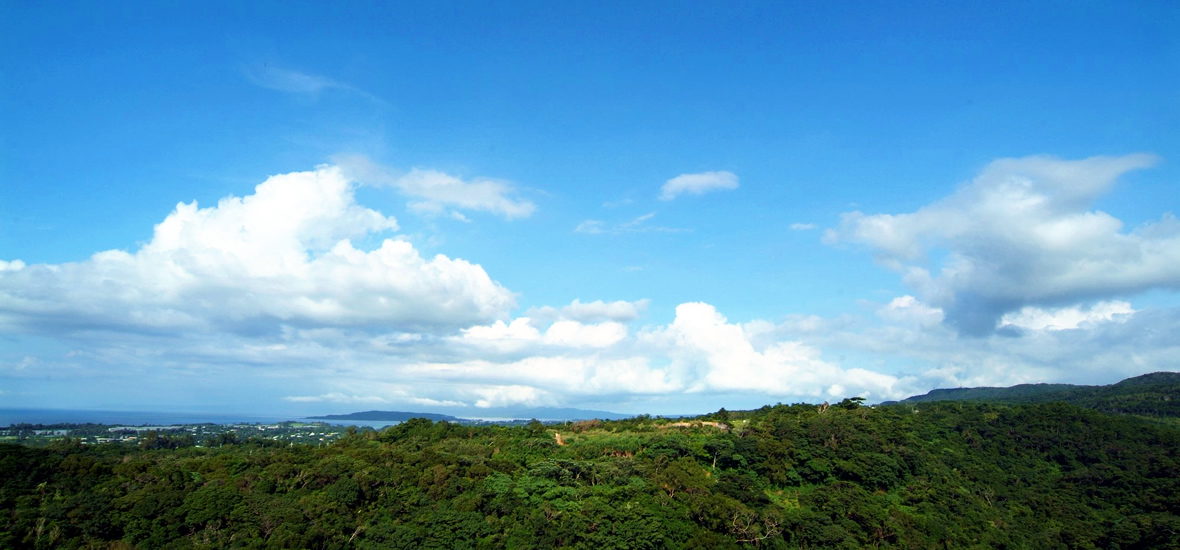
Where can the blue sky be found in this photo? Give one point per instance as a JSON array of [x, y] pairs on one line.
[[665, 208]]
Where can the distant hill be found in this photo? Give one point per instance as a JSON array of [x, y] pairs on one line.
[[549, 413], [540, 413], [1153, 395], [389, 416]]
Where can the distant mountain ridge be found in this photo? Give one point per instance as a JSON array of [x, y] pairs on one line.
[[1154, 395]]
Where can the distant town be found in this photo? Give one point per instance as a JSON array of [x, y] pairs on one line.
[[179, 435], [199, 435]]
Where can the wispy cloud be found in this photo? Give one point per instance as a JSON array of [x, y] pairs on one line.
[[299, 83], [293, 82], [635, 225], [435, 192], [591, 227], [802, 226], [698, 184]]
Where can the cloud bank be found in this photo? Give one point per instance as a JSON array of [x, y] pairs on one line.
[[270, 287], [270, 291]]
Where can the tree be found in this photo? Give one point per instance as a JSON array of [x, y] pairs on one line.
[[851, 403]]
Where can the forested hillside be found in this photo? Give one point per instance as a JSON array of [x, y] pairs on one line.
[[943, 475], [1155, 395]]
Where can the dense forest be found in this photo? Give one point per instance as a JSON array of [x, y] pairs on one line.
[[1155, 395], [938, 475]]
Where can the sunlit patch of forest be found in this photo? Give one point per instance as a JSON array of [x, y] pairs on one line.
[[932, 475]]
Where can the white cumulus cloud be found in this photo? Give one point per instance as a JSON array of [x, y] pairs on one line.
[[1065, 318], [1022, 233], [580, 335], [909, 310], [698, 353], [281, 256], [521, 333], [718, 355]]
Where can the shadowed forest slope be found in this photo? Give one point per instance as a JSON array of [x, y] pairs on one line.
[[1155, 395]]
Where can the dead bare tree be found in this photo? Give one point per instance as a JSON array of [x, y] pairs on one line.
[[747, 528]]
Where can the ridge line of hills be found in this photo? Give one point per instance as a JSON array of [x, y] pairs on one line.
[[1151, 395]]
